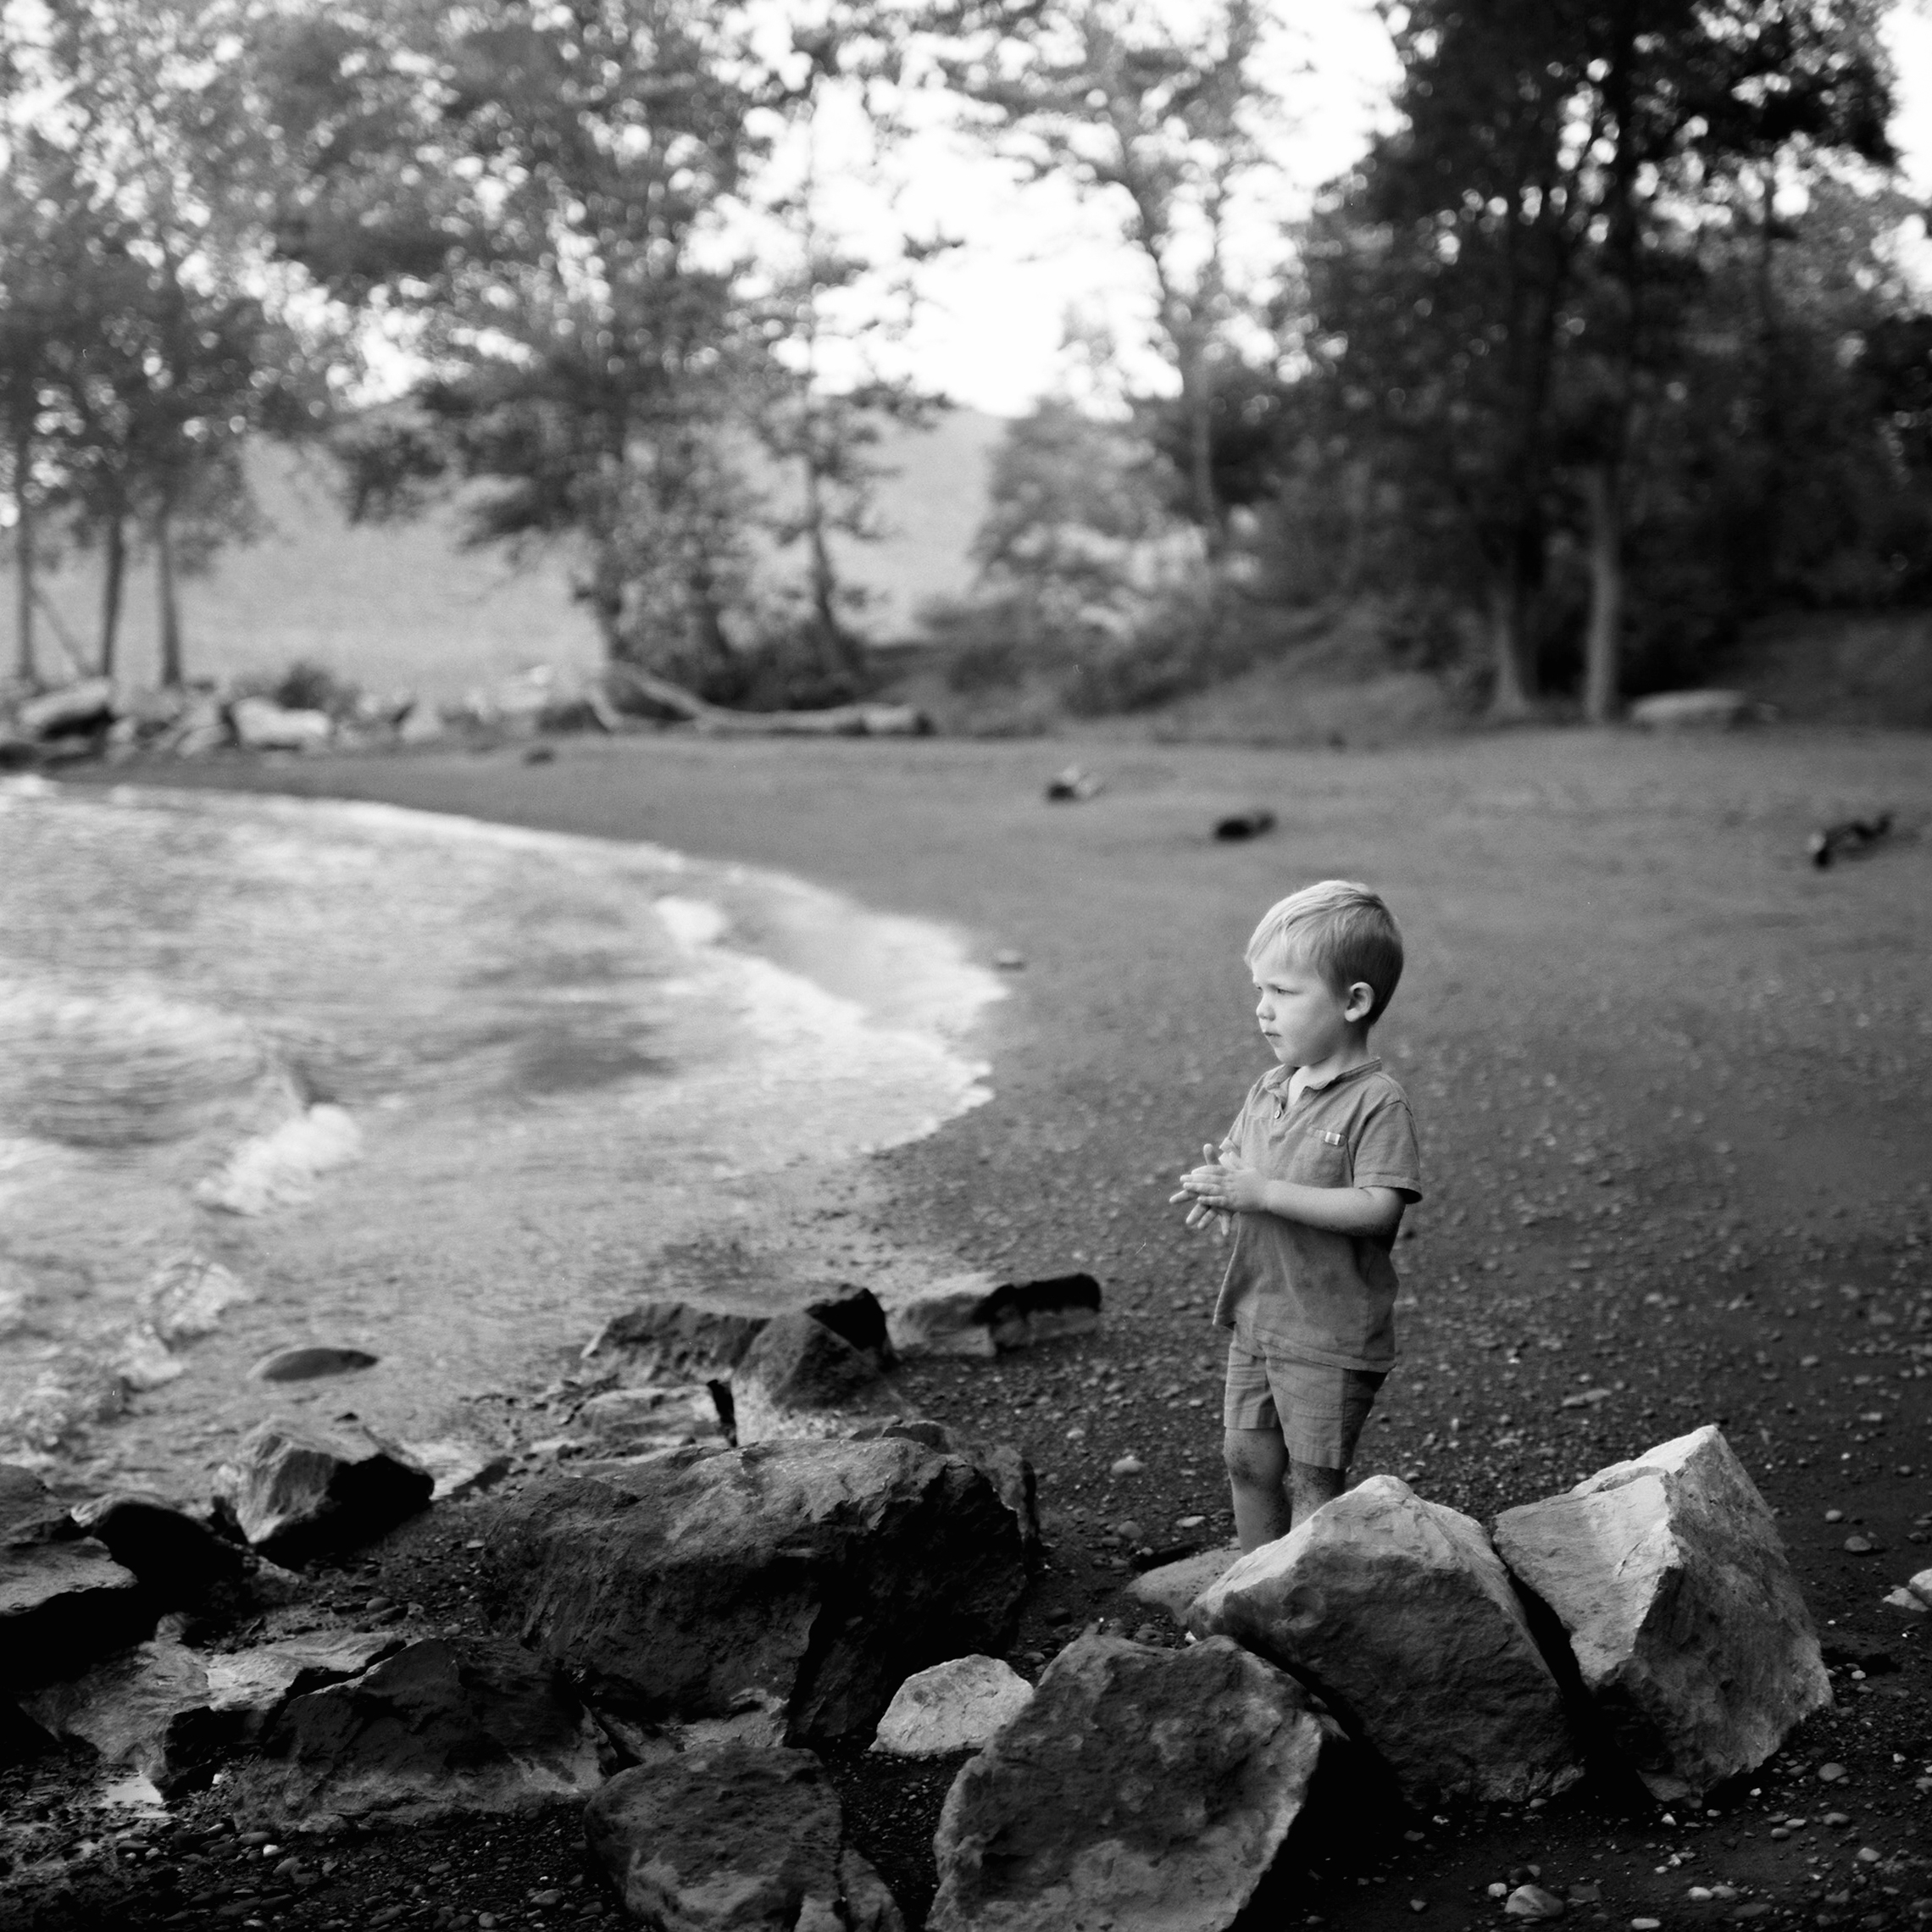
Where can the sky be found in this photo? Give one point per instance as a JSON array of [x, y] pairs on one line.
[[991, 328]]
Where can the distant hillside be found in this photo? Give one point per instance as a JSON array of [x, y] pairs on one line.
[[403, 606]]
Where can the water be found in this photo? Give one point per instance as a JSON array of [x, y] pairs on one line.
[[278, 1070]]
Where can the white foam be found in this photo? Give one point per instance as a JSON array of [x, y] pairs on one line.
[[279, 1168]]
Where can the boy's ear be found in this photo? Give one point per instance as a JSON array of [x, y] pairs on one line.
[[1361, 999]]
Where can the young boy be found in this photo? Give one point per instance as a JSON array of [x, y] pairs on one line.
[[1316, 1171]]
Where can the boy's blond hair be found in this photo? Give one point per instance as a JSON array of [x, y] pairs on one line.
[[1343, 930]]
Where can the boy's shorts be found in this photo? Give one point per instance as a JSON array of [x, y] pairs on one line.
[[1317, 1411]]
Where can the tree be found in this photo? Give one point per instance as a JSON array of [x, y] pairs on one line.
[[1686, 97], [159, 354], [822, 314], [535, 194], [1489, 278], [1107, 95]]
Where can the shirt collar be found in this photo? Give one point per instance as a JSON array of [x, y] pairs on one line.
[[1276, 1078]]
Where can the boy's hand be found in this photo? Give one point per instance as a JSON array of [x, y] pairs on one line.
[[1194, 1191], [1226, 1185]]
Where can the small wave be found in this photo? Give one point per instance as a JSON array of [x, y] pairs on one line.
[[280, 1169]]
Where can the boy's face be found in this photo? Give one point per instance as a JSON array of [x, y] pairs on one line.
[[1303, 1019]]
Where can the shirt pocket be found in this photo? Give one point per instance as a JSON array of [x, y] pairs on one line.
[[1317, 1158]]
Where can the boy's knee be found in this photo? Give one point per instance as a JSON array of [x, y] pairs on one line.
[[1254, 1458]]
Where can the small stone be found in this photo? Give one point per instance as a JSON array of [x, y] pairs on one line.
[[957, 1705], [304, 1364], [1921, 1587], [1126, 1466], [1532, 1902], [1646, 1924], [1832, 1773], [1007, 961], [1835, 1820], [1835, 1516], [1860, 1546]]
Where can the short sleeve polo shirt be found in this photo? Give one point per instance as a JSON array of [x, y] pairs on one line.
[[1302, 1292]]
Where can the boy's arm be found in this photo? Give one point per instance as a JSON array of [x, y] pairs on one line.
[[1374, 1211]]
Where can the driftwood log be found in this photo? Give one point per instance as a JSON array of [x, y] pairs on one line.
[[627, 682]]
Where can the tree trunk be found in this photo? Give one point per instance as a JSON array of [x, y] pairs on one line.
[[1771, 508], [24, 586], [1603, 639], [1510, 699], [114, 580], [837, 649], [170, 606], [1198, 398]]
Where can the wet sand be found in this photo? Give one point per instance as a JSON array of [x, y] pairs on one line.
[[1674, 1088]]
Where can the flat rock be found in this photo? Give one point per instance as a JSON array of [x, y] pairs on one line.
[[172, 1713], [1668, 1577], [659, 1416], [955, 1706], [680, 1340], [818, 1573], [734, 1837], [799, 1378], [84, 706], [973, 1315], [441, 1727], [1142, 1787], [1172, 1587], [263, 726], [296, 1495], [312, 1359], [179, 1558], [62, 1605], [1690, 710], [1401, 1614]]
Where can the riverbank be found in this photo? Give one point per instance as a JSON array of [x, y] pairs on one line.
[[1673, 1084]]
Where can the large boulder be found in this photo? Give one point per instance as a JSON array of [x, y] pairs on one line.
[[296, 1495], [1691, 1636], [440, 1728], [1142, 1787], [734, 1837], [955, 1706], [1399, 1613], [818, 1573]]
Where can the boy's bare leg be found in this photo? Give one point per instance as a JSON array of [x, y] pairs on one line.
[[1309, 1486], [1257, 1461]]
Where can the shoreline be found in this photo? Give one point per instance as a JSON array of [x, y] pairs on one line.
[[483, 1186]]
